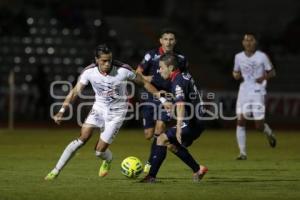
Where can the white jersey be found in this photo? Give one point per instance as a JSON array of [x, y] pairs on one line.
[[110, 89], [252, 68]]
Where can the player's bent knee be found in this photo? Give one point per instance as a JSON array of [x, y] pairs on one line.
[[160, 127], [241, 123], [172, 148], [148, 136], [149, 133], [86, 133], [259, 126], [162, 140]]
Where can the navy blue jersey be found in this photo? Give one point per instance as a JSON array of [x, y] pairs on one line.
[[185, 90], [150, 66]]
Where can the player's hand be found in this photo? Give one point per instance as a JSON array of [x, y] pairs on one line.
[[161, 93], [261, 79], [168, 106], [237, 75], [178, 135], [58, 117]]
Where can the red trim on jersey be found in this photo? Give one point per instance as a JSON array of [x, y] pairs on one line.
[[174, 74], [161, 51], [126, 66]]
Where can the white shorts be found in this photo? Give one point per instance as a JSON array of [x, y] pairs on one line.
[[248, 104], [108, 120]]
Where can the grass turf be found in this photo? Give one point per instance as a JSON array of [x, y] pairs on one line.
[[26, 156]]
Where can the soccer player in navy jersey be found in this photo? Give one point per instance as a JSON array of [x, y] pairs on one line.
[[189, 116], [154, 118]]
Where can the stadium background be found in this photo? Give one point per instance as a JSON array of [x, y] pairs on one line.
[[48, 40]]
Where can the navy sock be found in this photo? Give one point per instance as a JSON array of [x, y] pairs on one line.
[[152, 149], [187, 158], [159, 155]]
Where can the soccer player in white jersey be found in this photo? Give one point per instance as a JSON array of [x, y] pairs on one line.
[[108, 79], [254, 68]]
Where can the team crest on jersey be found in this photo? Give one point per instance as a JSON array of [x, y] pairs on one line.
[[147, 57], [186, 76], [178, 92], [180, 56]]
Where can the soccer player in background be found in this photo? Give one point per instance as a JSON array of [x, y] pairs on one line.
[[108, 79], [154, 120], [189, 112], [254, 68]]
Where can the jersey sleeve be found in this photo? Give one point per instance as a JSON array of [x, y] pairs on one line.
[[178, 91], [267, 63], [84, 78], [236, 66], [128, 71], [131, 75], [146, 62], [183, 63]]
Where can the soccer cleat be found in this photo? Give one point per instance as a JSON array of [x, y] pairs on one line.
[[147, 168], [200, 174], [272, 140], [104, 168], [148, 179], [241, 157], [51, 176]]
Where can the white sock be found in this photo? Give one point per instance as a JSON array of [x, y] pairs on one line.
[[67, 154], [241, 139], [267, 129], [106, 155]]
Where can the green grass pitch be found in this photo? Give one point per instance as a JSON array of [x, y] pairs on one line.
[[26, 156]]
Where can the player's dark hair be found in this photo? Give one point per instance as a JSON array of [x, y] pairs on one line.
[[169, 59], [255, 35], [167, 31], [102, 49]]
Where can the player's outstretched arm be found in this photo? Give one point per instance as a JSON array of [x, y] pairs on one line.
[[180, 116], [150, 88], [139, 71], [71, 97], [147, 85]]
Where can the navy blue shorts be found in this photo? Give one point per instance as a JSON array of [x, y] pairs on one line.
[[153, 111], [190, 132]]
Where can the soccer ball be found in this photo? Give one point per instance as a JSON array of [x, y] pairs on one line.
[[131, 167]]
